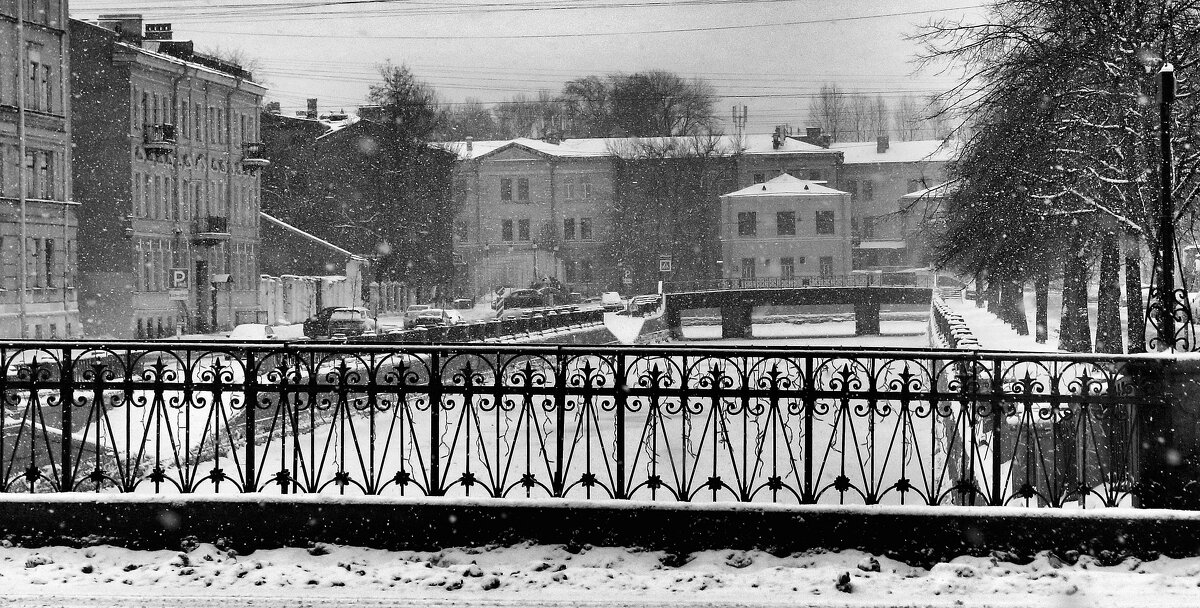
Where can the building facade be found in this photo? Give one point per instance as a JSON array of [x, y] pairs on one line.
[[38, 215], [167, 173], [877, 175], [531, 209], [785, 228]]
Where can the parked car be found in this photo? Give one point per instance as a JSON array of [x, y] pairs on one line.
[[413, 311], [463, 304], [350, 322], [318, 324], [437, 316], [521, 298], [611, 301], [252, 331]]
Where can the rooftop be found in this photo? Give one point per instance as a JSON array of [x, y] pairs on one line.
[[786, 185], [927, 150], [597, 147]]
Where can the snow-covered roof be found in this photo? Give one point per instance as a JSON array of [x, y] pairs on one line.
[[786, 185], [338, 125], [925, 150], [941, 190], [598, 147], [308, 236]]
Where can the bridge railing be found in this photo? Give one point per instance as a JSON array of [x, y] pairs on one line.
[[897, 279], [930, 427]]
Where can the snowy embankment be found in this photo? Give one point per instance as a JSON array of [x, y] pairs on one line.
[[569, 574]]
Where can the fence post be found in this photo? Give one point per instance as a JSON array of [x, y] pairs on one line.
[[560, 414], [67, 390], [435, 424], [1168, 455], [622, 390], [250, 376]]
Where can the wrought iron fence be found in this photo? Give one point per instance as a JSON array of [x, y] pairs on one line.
[[678, 424], [852, 280]]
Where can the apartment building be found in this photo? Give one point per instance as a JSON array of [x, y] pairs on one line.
[[785, 228], [167, 173], [530, 209], [877, 175], [38, 215]]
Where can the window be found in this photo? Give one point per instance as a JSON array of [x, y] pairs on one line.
[[522, 188], [852, 188], [585, 271], [825, 222], [585, 228], [569, 189], [506, 230], [35, 267], [505, 189], [747, 268], [787, 268], [49, 261], [569, 229], [760, 178], [522, 230], [868, 227], [569, 271], [585, 184], [785, 223], [460, 230], [826, 266], [869, 190], [747, 223]]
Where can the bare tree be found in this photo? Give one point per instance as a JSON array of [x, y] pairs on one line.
[[829, 110]]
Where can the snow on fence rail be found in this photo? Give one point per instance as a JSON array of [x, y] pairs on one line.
[[947, 329], [677, 424]]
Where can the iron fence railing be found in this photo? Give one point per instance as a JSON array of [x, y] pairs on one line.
[[679, 424], [853, 280]]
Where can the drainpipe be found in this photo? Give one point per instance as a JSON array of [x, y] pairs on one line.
[[22, 63], [229, 194], [64, 77]]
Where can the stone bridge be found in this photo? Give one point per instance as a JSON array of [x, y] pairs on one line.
[[736, 305]]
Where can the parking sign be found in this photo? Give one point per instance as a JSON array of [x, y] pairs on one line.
[[180, 278]]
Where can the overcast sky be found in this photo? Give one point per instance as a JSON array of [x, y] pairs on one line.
[[769, 55]]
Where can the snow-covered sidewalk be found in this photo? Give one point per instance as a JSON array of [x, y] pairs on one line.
[[545, 573]]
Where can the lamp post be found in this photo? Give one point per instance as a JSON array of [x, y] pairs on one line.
[[1163, 305]]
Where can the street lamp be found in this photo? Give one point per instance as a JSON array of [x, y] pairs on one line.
[[1167, 305]]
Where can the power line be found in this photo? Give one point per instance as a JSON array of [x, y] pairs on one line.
[[714, 28]]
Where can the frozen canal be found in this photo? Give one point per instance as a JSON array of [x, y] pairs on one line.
[[897, 334]]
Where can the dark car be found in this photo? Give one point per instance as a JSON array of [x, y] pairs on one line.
[[318, 324], [346, 321], [522, 298]]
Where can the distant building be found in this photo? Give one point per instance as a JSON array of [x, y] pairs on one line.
[[785, 228], [38, 215], [530, 208], [876, 174], [167, 160], [921, 216]]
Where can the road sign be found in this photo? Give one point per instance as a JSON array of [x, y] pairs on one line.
[[180, 278], [664, 263], [178, 294], [626, 276]]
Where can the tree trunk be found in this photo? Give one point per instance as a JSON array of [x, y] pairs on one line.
[[1014, 296], [1108, 304], [1135, 313], [1041, 290], [979, 289], [1066, 320], [993, 295]]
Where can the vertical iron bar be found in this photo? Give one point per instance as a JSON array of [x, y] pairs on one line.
[[997, 388], [67, 395], [810, 403], [1166, 220], [251, 378], [560, 406], [435, 423], [621, 391]]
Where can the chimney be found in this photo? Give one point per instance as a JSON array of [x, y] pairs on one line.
[[127, 26], [273, 107], [881, 144], [826, 141], [777, 138], [312, 108], [158, 31], [812, 133]]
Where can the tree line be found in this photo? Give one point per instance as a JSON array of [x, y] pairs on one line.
[[1060, 174]]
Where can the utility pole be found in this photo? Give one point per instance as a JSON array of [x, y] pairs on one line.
[[1164, 307]]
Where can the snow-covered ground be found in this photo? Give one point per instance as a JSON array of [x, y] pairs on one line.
[[584, 575]]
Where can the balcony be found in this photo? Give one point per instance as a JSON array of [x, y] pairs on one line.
[[159, 139], [211, 230], [253, 154]]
